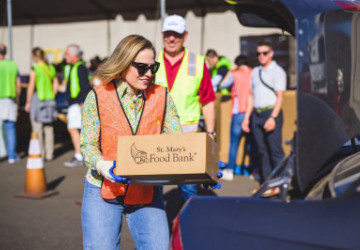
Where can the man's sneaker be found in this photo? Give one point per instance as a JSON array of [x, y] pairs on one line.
[[228, 174], [12, 161], [74, 163]]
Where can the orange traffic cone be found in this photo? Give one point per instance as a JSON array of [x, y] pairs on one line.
[[35, 183]]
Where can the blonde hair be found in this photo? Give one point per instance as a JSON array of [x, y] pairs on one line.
[[40, 53], [117, 65]]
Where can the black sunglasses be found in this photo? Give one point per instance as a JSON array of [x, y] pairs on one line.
[[264, 53], [142, 68]]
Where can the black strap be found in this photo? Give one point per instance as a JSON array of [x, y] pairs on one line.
[[46, 72], [266, 85], [163, 120]]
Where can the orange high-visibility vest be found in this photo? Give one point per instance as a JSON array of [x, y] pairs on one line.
[[114, 123], [242, 86]]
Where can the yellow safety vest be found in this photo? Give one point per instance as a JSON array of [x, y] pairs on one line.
[[44, 78], [185, 90], [8, 74], [72, 73]]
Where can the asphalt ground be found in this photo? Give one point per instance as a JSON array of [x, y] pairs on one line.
[[54, 222]]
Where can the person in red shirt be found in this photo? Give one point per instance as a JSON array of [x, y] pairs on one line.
[[189, 83]]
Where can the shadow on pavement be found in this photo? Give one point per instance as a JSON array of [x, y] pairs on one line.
[[53, 184], [62, 147]]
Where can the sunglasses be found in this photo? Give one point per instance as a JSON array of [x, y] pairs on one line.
[[264, 53], [142, 68], [173, 33]]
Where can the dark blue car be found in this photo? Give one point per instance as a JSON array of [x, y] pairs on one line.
[[319, 203]]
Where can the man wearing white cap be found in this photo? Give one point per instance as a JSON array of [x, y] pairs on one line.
[[189, 83]]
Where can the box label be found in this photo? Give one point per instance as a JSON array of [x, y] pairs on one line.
[[163, 154]]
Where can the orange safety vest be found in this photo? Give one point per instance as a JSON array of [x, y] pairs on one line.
[[242, 85], [114, 123]]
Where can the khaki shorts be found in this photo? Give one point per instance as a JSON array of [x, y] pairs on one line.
[[74, 116]]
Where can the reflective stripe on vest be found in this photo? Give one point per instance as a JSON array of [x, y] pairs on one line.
[[8, 74], [44, 76], [242, 85], [67, 69], [114, 123], [74, 78], [186, 85]]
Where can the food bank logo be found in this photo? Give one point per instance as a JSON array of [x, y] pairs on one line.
[[165, 154], [139, 156]]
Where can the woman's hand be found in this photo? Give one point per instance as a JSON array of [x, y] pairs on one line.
[[245, 126], [106, 169], [27, 107]]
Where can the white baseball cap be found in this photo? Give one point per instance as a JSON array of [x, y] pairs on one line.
[[174, 23]]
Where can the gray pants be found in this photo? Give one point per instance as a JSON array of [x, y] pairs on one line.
[[45, 132]]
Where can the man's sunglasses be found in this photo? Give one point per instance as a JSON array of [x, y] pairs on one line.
[[264, 53], [142, 68]]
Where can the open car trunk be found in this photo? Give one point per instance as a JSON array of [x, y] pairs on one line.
[[328, 112], [327, 74]]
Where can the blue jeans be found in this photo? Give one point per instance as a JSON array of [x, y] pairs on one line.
[[10, 134], [269, 144], [101, 222], [235, 134]]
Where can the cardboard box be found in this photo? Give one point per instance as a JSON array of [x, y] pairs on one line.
[[223, 107], [187, 158], [223, 122]]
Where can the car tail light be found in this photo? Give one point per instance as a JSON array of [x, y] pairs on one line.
[[176, 242], [349, 4]]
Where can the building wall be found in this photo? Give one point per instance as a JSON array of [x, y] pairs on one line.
[[220, 31]]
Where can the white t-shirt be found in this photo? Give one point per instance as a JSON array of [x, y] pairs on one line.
[[275, 77], [8, 109]]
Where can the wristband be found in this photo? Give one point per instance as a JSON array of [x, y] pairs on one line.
[[212, 133], [274, 117]]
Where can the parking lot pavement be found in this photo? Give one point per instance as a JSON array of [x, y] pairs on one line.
[[54, 222]]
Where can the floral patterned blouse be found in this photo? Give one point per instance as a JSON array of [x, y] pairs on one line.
[[90, 126]]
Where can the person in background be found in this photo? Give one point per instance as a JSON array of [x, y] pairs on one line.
[[94, 64], [240, 80], [40, 101], [117, 108], [10, 87], [76, 78], [189, 82], [219, 66], [268, 83]]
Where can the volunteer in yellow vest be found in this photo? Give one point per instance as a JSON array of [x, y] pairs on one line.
[[219, 67], [76, 77], [126, 103], [10, 88], [40, 101], [189, 83]]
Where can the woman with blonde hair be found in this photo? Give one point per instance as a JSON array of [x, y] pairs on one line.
[[117, 108], [40, 101]]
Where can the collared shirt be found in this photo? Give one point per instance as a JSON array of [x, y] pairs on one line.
[[275, 77], [206, 93], [90, 125]]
